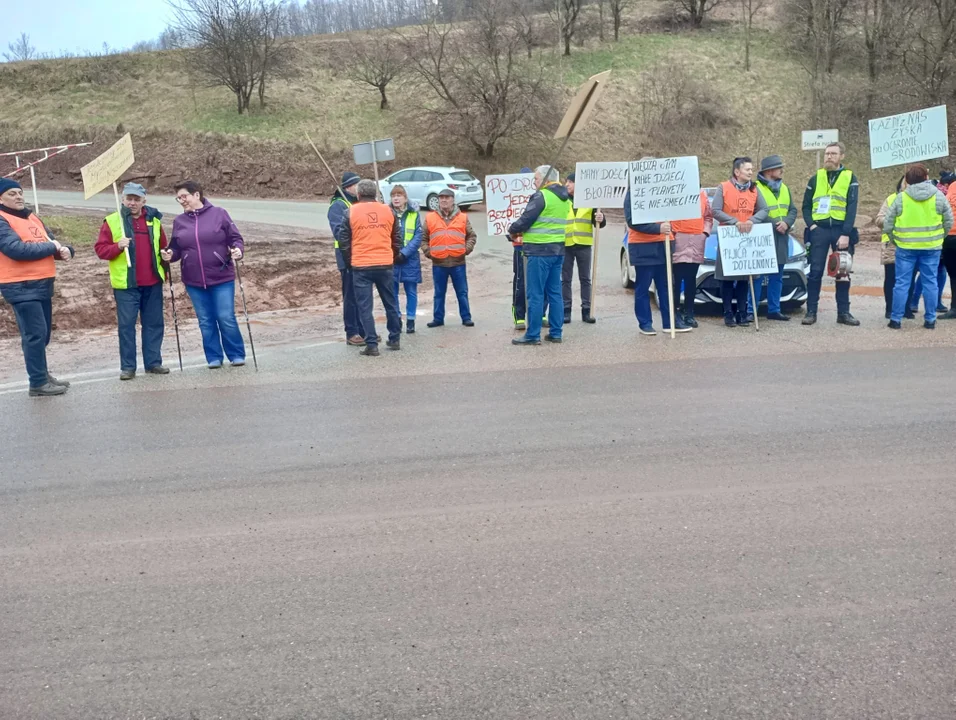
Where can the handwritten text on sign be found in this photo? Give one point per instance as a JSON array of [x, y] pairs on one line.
[[101, 173], [909, 137], [600, 184], [664, 189], [753, 253], [505, 199]]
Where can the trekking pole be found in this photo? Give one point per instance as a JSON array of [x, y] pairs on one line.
[[172, 299], [242, 293]]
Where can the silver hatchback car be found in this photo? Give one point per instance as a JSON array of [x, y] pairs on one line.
[[424, 183]]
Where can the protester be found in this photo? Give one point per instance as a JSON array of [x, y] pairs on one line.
[[917, 221], [370, 241], [517, 275], [136, 230], [28, 254], [690, 239], [408, 266], [579, 240], [888, 253], [782, 214], [342, 201], [447, 239], [207, 242], [736, 202], [949, 255], [647, 253], [543, 225], [829, 210]]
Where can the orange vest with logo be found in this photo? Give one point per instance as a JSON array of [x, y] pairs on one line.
[[30, 231], [739, 204], [372, 224], [695, 226], [446, 238]]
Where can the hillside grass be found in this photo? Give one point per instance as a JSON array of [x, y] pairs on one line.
[[148, 92], [76, 230]]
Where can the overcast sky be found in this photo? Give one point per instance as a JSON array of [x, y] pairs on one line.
[[82, 25]]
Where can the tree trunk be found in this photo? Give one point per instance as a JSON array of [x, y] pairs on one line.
[[262, 91], [239, 100], [384, 104], [617, 25], [747, 49], [601, 20], [567, 44]]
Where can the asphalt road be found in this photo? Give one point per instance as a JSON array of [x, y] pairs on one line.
[[769, 537]]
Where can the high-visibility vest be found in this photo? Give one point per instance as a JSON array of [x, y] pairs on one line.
[[122, 277], [30, 230], [372, 224], [919, 226], [411, 224], [777, 206], [694, 226], [553, 221], [884, 238], [339, 198], [837, 193], [446, 238], [580, 230], [739, 204]]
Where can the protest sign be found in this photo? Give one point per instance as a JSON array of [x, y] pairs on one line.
[[101, 172], [909, 137], [505, 199], [743, 254], [600, 184], [664, 189]]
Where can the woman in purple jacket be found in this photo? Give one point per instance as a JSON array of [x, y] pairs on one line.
[[207, 242]]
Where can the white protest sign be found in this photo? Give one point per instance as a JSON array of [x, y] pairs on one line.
[[600, 184], [818, 139], [505, 199], [101, 172], [664, 189], [909, 137], [742, 254]]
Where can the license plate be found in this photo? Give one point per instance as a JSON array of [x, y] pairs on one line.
[[472, 188]]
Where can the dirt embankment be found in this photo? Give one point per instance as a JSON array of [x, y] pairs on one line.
[[286, 268]]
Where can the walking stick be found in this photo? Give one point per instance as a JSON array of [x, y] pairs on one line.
[[242, 293], [172, 299]]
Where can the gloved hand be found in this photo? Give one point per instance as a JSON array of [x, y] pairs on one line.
[[400, 259]]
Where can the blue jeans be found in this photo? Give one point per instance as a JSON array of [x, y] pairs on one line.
[[774, 292], [411, 299], [907, 261], [215, 308], [35, 320], [350, 311], [918, 287], [544, 285], [642, 298], [147, 304], [459, 279], [383, 280]]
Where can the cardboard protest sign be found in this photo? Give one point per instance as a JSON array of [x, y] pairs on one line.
[[505, 199], [664, 189], [743, 254], [583, 104], [909, 137], [600, 184], [108, 167]]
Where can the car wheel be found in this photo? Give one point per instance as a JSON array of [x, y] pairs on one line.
[[432, 203], [626, 281], [464, 208]]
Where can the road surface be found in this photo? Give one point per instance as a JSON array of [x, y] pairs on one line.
[[760, 537]]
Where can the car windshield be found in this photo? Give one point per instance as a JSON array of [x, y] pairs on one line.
[[463, 176]]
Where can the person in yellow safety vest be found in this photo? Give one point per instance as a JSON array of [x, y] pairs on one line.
[[829, 211], [579, 239], [888, 252], [782, 214], [408, 264], [543, 225], [338, 206], [136, 232], [917, 221]]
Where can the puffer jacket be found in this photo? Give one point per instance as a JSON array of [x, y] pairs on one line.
[[689, 248], [919, 192], [411, 270]]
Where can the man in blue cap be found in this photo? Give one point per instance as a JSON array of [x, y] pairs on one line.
[[343, 198], [130, 240]]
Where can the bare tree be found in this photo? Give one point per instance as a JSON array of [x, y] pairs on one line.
[[483, 89], [618, 8], [928, 56], [697, 9], [376, 60], [234, 43], [524, 22], [884, 26], [749, 10], [21, 49], [566, 15]]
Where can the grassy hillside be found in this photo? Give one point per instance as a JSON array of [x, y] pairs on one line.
[[181, 127]]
